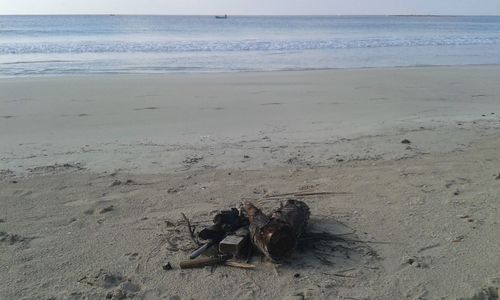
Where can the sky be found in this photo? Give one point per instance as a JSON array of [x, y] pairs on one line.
[[252, 7]]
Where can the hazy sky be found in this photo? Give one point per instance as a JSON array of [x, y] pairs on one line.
[[252, 7]]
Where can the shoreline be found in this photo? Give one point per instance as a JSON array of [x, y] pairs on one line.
[[229, 72]]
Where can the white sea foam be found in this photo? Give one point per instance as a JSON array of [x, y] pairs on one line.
[[100, 44]]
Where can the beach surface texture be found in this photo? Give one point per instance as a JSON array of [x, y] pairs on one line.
[[95, 172]]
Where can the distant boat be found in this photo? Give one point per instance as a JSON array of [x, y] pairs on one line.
[[221, 17]]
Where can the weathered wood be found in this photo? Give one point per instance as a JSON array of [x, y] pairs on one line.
[[276, 237], [199, 262], [295, 213], [204, 261], [238, 264]]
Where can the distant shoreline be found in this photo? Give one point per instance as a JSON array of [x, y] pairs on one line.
[[237, 15]]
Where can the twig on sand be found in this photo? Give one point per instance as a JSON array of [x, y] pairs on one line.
[[191, 229], [239, 265], [341, 275], [305, 194]]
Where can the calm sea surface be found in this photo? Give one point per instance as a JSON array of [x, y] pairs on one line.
[[56, 45]]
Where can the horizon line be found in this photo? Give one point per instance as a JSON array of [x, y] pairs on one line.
[[263, 15]]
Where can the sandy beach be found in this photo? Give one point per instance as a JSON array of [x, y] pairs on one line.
[[95, 172]]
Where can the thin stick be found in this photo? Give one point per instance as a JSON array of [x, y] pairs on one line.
[[191, 229], [239, 265], [341, 275], [304, 194]]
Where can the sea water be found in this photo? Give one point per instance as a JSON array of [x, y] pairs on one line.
[[89, 44]]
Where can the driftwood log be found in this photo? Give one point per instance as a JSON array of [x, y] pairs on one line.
[[276, 236]]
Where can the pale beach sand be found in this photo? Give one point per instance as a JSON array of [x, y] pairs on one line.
[[422, 218]]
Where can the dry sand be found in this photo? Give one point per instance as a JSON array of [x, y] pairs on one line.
[[95, 172]]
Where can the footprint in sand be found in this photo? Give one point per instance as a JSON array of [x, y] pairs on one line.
[[147, 108], [118, 286], [212, 108], [132, 256], [12, 239], [147, 96]]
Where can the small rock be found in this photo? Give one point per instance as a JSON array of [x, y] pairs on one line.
[[129, 181], [339, 160], [498, 177], [116, 182], [463, 216], [246, 156], [2, 221], [458, 239], [470, 220], [13, 181], [229, 173], [416, 264], [106, 209], [405, 141], [456, 193], [167, 266], [409, 260], [296, 275]]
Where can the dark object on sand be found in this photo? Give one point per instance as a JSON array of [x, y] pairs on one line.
[[167, 266], [221, 17], [214, 233], [276, 236], [405, 141], [224, 222], [236, 234], [203, 262]]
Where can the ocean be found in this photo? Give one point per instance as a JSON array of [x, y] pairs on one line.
[[91, 44]]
